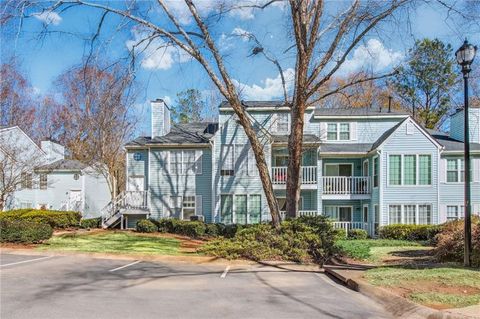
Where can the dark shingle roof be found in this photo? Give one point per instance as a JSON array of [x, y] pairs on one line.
[[357, 111], [183, 133], [451, 144], [64, 164], [307, 138], [257, 104], [345, 148]]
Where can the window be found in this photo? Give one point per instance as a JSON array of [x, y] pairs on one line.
[[395, 169], [425, 169], [176, 206], [43, 181], [332, 131], [226, 209], [409, 169], [26, 180], [344, 131], [227, 168], [282, 123], [241, 209], [255, 208], [375, 172], [137, 156], [410, 214], [424, 214], [185, 162], [365, 213], [188, 207], [395, 214], [452, 213], [252, 163], [455, 170], [377, 218], [338, 131], [339, 213]]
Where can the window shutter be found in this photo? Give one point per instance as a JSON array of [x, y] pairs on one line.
[[476, 169], [353, 131], [323, 131], [198, 205], [198, 162], [443, 170], [442, 214]]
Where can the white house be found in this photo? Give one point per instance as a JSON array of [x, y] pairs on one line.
[[45, 179]]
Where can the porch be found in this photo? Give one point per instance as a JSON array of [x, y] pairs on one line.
[[346, 179], [308, 169]]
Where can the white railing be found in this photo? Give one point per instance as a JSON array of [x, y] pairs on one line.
[[125, 200], [347, 226], [346, 185], [283, 215], [308, 175]]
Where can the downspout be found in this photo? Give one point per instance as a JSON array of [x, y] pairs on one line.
[[380, 188]]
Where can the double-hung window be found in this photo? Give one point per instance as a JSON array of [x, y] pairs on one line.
[[452, 212], [375, 171], [26, 180], [255, 208], [425, 169], [455, 170], [424, 214], [176, 162], [410, 169], [395, 170], [338, 131], [228, 162], [183, 207], [395, 214], [409, 212], [226, 209]]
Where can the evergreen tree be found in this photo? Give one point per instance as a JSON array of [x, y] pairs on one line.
[[188, 106]]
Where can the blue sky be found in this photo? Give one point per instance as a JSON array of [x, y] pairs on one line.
[[165, 73]]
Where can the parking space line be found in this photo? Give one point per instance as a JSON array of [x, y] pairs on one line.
[[26, 261], [224, 274], [125, 266], [331, 283]]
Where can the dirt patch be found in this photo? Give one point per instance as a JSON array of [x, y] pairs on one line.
[[18, 246]]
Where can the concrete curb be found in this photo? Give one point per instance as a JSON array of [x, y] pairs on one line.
[[396, 305]]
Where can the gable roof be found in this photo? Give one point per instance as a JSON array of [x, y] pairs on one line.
[[347, 148], [352, 112], [450, 144], [386, 135], [180, 134], [63, 165]]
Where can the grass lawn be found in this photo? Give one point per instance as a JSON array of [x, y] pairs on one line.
[[113, 242], [375, 250], [443, 287]]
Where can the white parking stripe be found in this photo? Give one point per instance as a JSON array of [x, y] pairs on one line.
[[333, 284], [224, 274], [25, 261], [125, 266]]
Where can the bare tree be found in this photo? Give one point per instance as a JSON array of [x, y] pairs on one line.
[[97, 118], [321, 42]]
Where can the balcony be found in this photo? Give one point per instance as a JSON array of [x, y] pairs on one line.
[[346, 187], [308, 176]]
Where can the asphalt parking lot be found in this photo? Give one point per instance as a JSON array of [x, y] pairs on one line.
[[43, 286]]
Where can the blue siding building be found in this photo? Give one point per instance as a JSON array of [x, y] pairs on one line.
[[362, 167]]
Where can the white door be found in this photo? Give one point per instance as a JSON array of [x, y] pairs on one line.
[[74, 200], [136, 187]]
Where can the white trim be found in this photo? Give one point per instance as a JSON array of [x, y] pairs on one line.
[[363, 212], [18, 128], [360, 116]]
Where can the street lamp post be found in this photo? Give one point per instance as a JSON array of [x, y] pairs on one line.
[[465, 55]]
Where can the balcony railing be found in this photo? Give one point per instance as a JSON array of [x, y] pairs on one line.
[[283, 214], [370, 228], [308, 175], [340, 185]]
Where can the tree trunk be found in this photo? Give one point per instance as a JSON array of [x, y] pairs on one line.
[[295, 159]]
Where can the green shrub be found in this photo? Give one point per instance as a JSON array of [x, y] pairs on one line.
[[146, 226], [193, 229], [56, 219], [212, 230], [450, 242], [360, 249], [24, 231], [409, 232], [91, 222], [357, 234], [167, 225], [339, 234], [299, 240]]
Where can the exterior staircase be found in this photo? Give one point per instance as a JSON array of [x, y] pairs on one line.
[[128, 201]]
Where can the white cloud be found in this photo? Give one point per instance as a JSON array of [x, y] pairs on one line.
[[271, 88], [156, 55], [373, 55], [48, 17], [241, 33], [168, 100]]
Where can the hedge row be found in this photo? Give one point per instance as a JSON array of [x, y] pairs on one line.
[[56, 219], [410, 232], [24, 231], [91, 223]]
